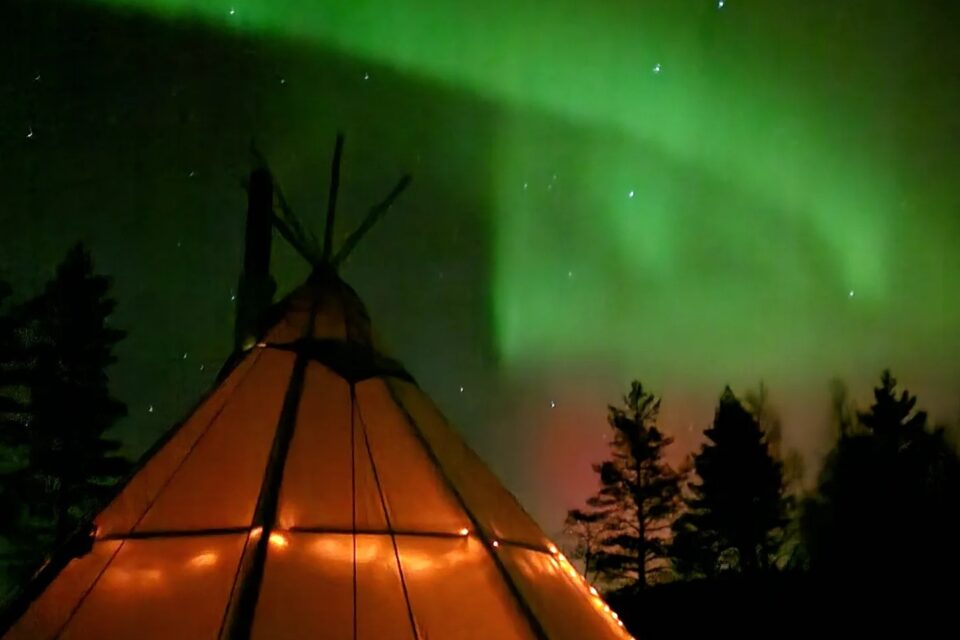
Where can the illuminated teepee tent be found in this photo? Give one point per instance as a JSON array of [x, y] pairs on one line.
[[316, 492]]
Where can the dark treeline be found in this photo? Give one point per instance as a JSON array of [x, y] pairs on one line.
[[730, 542], [56, 463]]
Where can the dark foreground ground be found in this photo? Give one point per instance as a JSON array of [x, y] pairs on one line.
[[793, 606]]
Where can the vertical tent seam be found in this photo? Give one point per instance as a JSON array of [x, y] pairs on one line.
[[390, 530], [113, 556], [524, 606], [196, 443], [353, 504]]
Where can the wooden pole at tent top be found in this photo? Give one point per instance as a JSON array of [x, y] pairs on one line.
[[256, 287]]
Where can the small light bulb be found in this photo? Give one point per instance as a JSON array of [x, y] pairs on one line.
[[464, 531], [496, 544]]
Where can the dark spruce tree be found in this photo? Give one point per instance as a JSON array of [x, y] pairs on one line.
[[583, 527], [18, 545], [790, 545], [66, 463], [886, 514], [622, 533], [735, 505], [10, 359], [9, 367]]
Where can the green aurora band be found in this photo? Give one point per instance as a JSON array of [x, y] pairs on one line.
[[741, 192]]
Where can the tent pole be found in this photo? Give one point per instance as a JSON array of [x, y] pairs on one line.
[[332, 198], [238, 618], [256, 287]]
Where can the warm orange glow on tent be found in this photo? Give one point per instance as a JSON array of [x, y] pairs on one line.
[[206, 559], [316, 492]]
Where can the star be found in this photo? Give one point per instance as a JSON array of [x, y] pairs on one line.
[[150, 409], [233, 296], [553, 404], [720, 4], [233, 11], [850, 293], [461, 389], [36, 78], [569, 274], [657, 68], [631, 194], [283, 81], [184, 355], [525, 185], [29, 132], [192, 174], [366, 76]]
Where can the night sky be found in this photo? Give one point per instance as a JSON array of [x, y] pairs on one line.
[[691, 192]]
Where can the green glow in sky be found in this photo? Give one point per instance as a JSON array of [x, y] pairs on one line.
[[736, 192]]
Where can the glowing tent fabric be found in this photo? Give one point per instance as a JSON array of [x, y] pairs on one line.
[[316, 492]]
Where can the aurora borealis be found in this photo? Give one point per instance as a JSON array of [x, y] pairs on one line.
[[672, 190]]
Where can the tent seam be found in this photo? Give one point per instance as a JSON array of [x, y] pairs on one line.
[[390, 531], [524, 606], [113, 556]]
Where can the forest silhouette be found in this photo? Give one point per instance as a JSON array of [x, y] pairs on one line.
[[730, 535]]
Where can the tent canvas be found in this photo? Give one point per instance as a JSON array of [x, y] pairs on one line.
[[315, 492]]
